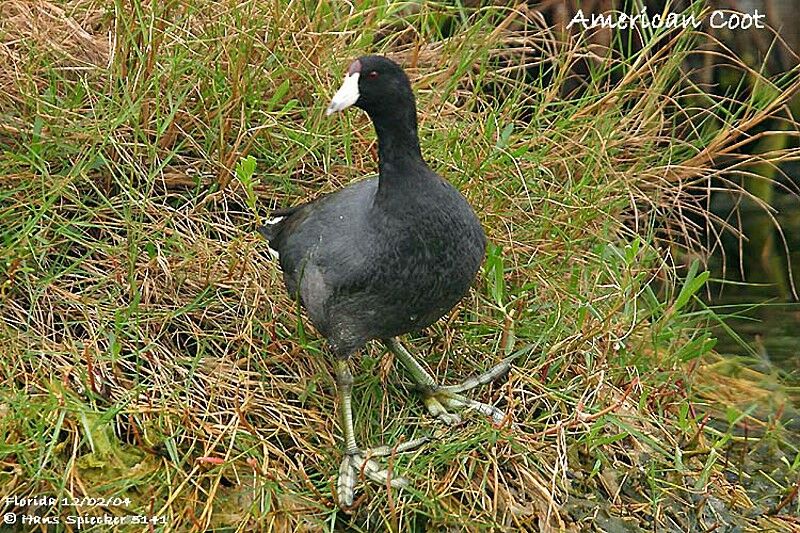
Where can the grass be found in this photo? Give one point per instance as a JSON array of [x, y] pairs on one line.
[[151, 357]]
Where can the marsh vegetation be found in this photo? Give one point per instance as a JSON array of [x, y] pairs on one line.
[[149, 351]]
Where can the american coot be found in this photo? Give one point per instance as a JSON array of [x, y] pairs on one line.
[[383, 257]]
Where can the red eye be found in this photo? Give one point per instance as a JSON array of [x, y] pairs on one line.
[[372, 75]]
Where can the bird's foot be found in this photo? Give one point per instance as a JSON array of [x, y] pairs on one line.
[[357, 462], [441, 398]]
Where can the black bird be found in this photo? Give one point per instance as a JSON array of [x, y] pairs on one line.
[[383, 257]]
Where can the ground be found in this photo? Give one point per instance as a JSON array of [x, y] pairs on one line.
[[150, 354]]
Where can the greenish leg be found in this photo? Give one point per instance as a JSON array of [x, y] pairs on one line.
[[344, 388], [439, 398], [356, 460]]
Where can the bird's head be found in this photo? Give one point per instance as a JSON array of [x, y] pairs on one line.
[[374, 84]]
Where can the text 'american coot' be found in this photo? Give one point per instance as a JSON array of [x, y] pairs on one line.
[[383, 257]]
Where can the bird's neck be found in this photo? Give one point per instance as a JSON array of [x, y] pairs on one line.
[[400, 160]]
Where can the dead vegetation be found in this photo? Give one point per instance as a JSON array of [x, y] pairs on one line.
[[147, 344]]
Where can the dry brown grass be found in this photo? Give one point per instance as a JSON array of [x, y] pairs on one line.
[[151, 352]]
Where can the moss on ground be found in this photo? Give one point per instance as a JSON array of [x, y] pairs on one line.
[[150, 354]]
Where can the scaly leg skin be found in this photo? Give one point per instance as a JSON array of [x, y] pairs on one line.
[[356, 460], [439, 398]]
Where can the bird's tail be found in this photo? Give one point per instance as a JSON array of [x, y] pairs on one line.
[[269, 229], [272, 226]]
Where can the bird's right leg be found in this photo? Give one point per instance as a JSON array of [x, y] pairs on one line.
[[355, 459]]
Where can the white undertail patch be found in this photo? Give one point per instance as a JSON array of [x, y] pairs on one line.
[[272, 221]]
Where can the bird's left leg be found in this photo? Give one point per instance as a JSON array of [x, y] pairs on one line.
[[355, 459], [439, 398]]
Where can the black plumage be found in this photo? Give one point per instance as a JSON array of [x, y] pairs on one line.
[[388, 255]]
